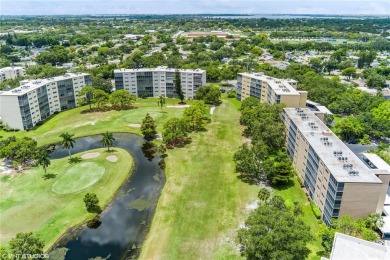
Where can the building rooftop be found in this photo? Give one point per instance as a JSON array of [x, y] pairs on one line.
[[348, 247], [279, 86], [37, 83], [344, 165], [11, 68], [160, 69]]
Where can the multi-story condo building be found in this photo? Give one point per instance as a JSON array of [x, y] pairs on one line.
[[336, 180], [25, 106], [270, 90], [155, 82], [11, 73]]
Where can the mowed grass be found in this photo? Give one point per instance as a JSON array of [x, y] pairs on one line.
[[83, 124], [203, 202], [49, 206], [295, 193]]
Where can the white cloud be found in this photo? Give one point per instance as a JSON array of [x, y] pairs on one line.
[[18, 7]]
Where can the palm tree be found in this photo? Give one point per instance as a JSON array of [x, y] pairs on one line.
[[264, 194], [67, 141], [161, 101], [107, 140], [374, 221], [43, 159]]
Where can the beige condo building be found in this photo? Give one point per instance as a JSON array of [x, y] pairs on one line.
[[270, 90], [336, 180]]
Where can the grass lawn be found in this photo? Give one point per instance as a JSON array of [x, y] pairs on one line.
[[295, 193], [57, 202], [80, 124], [203, 202]]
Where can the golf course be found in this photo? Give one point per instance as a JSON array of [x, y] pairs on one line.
[[202, 204], [51, 204]]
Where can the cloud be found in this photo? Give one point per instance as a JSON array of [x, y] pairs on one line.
[[41, 7]]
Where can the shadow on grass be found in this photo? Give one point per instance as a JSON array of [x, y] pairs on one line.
[[110, 151], [322, 253], [248, 179], [75, 159], [49, 176], [285, 186]]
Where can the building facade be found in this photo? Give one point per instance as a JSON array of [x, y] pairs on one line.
[[159, 81], [270, 90], [11, 73], [25, 106], [336, 180]]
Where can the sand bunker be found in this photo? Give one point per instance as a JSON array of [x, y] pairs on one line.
[[112, 158], [134, 125], [90, 155]]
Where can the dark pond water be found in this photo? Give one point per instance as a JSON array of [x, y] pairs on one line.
[[126, 220]]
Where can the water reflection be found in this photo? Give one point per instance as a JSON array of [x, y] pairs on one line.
[[122, 228]]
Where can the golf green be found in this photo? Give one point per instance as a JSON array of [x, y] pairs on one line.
[[78, 177]]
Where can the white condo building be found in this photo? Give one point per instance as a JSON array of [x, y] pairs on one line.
[[11, 73], [155, 82], [25, 106]]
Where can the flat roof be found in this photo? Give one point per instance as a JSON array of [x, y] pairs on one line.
[[279, 86], [385, 229], [37, 83], [377, 161], [11, 68], [160, 69], [348, 247], [344, 165]]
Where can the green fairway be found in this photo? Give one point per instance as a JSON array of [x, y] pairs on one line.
[[203, 202], [83, 124], [49, 205]]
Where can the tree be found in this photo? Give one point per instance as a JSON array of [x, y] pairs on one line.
[[278, 168], [382, 111], [121, 98], [92, 202], [316, 64], [297, 209], [148, 127], [102, 83], [273, 232], [43, 159], [178, 89], [209, 94], [86, 95], [328, 119], [349, 72], [264, 194], [195, 114], [26, 243], [19, 150], [376, 81], [67, 141], [100, 98], [175, 131], [161, 102], [349, 128], [107, 140]]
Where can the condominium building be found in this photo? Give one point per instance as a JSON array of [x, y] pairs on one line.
[[11, 73], [336, 180], [270, 90], [155, 82], [23, 107]]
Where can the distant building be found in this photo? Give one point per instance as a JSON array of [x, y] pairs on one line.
[[319, 110], [347, 247], [270, 90], [385, 91], [155, 82], [25, 106], [11, 73], [218, 34], [133, 37], [336, 180]]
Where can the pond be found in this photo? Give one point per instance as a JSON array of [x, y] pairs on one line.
[[126, 220]]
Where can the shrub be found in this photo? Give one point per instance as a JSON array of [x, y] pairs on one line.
[[316, 211], [232, 93]]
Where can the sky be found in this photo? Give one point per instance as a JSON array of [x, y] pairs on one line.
[[78, 7]]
